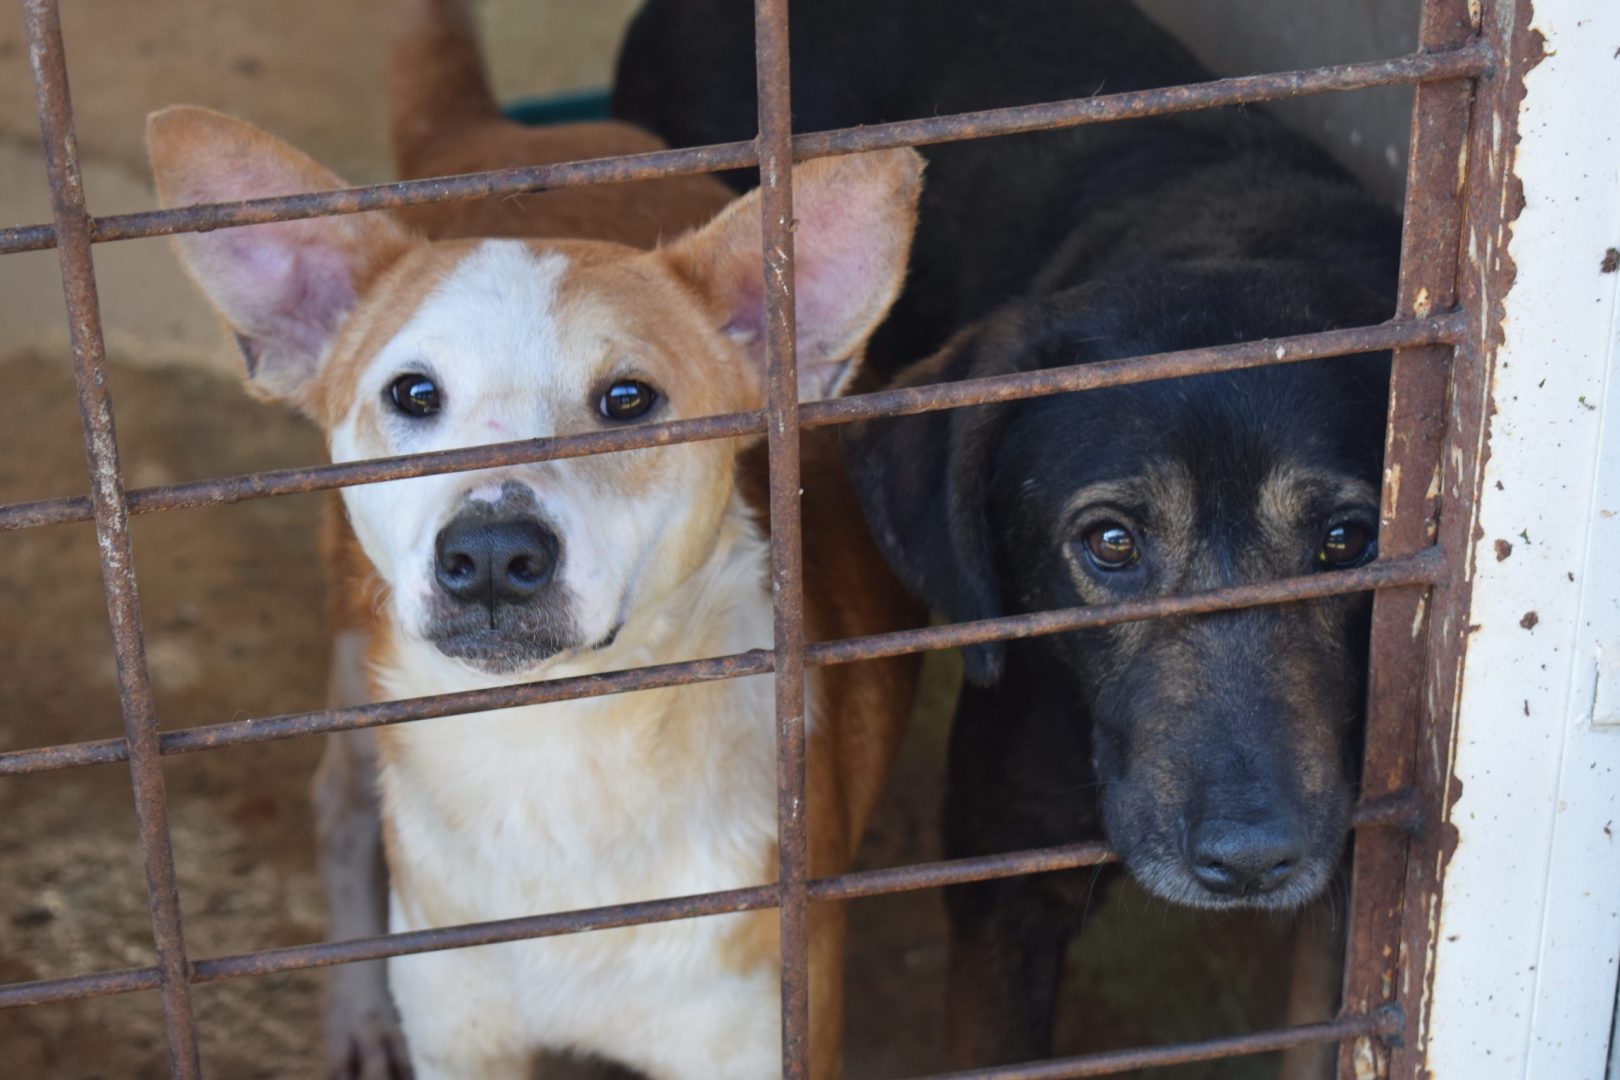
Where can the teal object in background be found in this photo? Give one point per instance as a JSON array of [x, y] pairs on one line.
[[572, 107]]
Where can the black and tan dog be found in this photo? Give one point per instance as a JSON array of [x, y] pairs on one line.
[[1216, 753]]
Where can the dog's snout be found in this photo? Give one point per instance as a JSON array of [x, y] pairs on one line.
[[494, 562], [1235, 858]]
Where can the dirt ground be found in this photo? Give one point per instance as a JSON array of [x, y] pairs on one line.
[[231, 600]]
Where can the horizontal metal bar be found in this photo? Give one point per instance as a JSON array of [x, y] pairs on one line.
[[1465, 62], [260, 485], [1393, 811], [1445, 328], [1385, 1023], [1421, 569], [1400, 811], [329, 954], [1434, 330], [864, 883], [75, 987], [322, 721]]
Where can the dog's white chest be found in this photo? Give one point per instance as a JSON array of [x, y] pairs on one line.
[[583, 804], [592, 802]]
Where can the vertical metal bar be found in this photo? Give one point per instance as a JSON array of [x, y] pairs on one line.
[[787, 582], [1492, 198], [1419, 381], [73, 224]]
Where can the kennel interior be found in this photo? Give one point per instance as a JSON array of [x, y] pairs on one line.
[[1484, 921]]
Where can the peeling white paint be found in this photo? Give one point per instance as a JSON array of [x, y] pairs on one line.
[[1366, 1063], [1527, 938]]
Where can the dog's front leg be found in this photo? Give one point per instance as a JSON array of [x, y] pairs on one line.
[[363, 1040], [1314, 989], [1019, 778]]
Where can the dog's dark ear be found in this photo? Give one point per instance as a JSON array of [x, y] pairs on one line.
[[924, 482]]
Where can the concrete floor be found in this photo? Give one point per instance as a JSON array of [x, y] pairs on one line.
[[232, 599]]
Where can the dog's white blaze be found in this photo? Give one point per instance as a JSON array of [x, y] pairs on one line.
[[508, 367], [488, 335]]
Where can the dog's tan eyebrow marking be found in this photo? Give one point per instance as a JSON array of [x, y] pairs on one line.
[[1122, 493], [1290, 491], [1161, 489], [619, 358], [368, 330]]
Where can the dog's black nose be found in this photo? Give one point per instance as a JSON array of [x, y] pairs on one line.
[[494, 562], [1244, 859]]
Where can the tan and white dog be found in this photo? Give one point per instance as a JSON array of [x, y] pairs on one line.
[[399, 340]]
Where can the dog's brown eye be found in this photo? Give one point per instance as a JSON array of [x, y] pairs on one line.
[[1110, 546], [415, 395], [628, 399], [1347, 544]]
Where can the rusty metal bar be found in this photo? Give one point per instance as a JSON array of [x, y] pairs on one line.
[[1438, 329], [1400, 810], [1420, 378], [73, 223], [327, 954], [77, 987], [787, 541], [1484, 273], [379, 714], [1382, 1024], [1390, 812], [1425, 568], [1418, 68]]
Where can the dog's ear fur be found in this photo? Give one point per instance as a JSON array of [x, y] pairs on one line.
[[853, 221], [924, 482], [283, 288]]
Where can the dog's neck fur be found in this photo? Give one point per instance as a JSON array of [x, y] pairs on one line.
[[555, 773], [580, 804]]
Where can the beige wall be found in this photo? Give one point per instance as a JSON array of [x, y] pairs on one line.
[[308, 70], [1367, 130]]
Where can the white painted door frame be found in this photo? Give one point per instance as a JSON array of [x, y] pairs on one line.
[[1526, 941]]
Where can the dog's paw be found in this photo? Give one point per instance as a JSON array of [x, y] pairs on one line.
[[371, 1047]]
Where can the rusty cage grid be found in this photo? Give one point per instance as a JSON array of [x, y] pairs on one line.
[[1441, 345]]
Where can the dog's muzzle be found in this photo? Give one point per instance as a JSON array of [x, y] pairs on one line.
[[497, 600]]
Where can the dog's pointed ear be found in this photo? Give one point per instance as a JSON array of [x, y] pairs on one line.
[[853, 221], [283, 288], [924, 482]]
